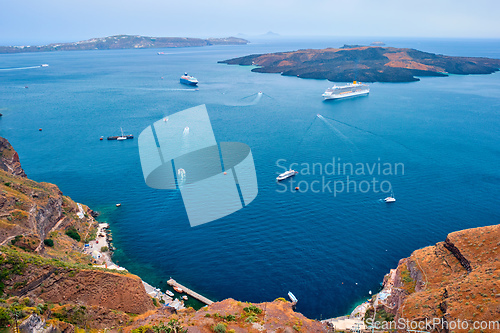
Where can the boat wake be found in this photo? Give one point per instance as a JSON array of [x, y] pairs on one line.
[[341, 135], [256, 99], [381, 137], [20, 68]]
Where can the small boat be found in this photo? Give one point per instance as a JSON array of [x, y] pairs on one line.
[[292, 297], [179, 290], [118, 204], [189, 80], [285, 175], [169, 293], [160, 53], [390, 198], [44, 65], [185, 297]]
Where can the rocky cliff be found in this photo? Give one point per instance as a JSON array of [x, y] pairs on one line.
[[41, 261], [454, 281], [57, 282], [9, 159], [36, 211]]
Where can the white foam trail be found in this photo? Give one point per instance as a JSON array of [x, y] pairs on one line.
[[19, 68], [256, 100], [340, 134]]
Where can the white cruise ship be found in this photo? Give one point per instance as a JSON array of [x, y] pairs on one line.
[[349, 90]]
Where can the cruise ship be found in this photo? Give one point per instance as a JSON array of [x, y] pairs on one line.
[[349, 90], [189, 80]]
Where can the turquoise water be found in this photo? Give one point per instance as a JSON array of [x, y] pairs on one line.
[[328, 250]]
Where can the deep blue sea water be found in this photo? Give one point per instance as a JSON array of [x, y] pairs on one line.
[[328, 250]]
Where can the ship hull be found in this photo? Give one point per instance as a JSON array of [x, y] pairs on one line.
[[346, 95], [189, 83], [130, 136]]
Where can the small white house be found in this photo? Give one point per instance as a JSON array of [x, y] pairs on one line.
[[96, 254]]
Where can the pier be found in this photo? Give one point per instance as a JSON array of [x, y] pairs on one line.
[[188, 291]]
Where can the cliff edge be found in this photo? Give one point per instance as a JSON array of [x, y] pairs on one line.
[[454, 281]]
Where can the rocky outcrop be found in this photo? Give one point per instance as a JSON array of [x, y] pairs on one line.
[[448, 244], [277, 316], [9, 159], [36, 324], [458, 279], [365, 63]]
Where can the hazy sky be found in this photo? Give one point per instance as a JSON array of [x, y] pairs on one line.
[[41, 21]]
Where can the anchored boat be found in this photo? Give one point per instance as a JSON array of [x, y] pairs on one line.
[[121, 137], [390, 198]]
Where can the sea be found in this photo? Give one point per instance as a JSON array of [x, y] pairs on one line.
[[434, 143]]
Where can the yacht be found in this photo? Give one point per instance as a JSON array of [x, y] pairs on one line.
[[288, 174], [390, 198]]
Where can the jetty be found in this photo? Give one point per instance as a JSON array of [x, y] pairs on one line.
[[188, 291]]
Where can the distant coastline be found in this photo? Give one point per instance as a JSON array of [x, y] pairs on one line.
[[124, 42]]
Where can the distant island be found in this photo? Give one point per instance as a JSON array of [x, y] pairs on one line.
[[365, 63], [125, 42]]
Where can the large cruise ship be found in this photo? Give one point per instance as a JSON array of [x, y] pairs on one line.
[[189, 80], [349, 90]]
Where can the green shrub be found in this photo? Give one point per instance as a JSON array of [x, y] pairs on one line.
[[104, 249], [230, 317], [16, 239], [4, 317], [73, 233], [252, 309], [49, 242], [219, 328]]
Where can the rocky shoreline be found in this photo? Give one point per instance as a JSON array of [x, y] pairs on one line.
[[101, 249]]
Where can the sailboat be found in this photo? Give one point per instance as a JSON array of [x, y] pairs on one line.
[[122, 137], [390, 198]]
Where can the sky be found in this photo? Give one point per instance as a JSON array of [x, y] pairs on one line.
[[38, 22]]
